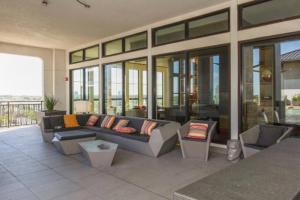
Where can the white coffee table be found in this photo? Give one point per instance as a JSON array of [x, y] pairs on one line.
[[99, 156]]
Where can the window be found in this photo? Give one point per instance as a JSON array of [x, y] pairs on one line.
[[136, 42], [170, 87], [169, 34], [126, 44], [159, 88], [92, 53], [113, 89], [262, 12], [76, 56], [86, 54], [125, 88], [212, 24], [136, 88], [113, 47], [85, 87], [133, 88]]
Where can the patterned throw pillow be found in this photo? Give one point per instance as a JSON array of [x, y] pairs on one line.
[[197, 131], [121, 123], [127, 130], [108, 121], [92, 120], [70, 121], [148, 127]]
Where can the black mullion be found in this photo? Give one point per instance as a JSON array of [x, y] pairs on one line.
[[103, 91], [187, 85], [123, 88], [154, 103], [84, 84], [71, 90]]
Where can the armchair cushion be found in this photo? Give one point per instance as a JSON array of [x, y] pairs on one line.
[[197, 131], [268, 135]]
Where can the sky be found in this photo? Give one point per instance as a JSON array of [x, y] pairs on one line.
[[21, 75]]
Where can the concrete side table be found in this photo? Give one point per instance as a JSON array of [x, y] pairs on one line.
[[99, 152]]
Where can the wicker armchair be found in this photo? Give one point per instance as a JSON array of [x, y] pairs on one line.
[[250, 137], [192, 148]]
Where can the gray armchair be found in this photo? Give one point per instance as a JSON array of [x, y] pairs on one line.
[[196, 148], [249, 138]]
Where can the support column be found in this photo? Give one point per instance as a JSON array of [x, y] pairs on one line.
[[101, 98], [234, 70], [150, 69]]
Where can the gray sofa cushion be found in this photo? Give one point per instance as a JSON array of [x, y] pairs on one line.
[[269, 134], [254, 146], [57, 121], [82, 119], [74, 134], [138, 137]]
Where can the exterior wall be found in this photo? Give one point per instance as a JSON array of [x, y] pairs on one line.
[[54, 68], [233, 38]]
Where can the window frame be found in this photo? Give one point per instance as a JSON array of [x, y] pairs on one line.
[[83, 52], [252, 3], [123, 62], [186, 27], [84, 97], [123, 44]]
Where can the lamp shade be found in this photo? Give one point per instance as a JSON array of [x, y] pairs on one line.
[[82, 106]]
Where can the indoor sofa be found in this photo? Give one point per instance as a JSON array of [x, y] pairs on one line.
[[162, 140]]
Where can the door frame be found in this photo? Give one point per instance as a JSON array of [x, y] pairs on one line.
[[241, 44], [206, 50]]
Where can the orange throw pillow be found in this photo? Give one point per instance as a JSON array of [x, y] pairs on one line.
[[148, 127], [70, 121]]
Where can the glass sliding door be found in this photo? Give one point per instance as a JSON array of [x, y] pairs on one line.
[[209, 85], [171, 87], [271, 83], [77, 86], [85, 87], [113, 89], [92, 88], [136, 88]]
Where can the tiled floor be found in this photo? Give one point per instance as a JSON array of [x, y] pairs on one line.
[[31, 170]]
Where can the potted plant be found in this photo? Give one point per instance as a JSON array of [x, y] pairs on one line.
[[50, 102], [296, 100]]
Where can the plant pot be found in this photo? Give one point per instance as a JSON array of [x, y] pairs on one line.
[[44, 113], [296, 103]]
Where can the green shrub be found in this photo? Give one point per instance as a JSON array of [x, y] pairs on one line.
[[296, 97]]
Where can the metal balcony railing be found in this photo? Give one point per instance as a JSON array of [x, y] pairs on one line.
[[19, 113]]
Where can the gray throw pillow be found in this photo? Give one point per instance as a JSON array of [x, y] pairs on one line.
[[269, 134]]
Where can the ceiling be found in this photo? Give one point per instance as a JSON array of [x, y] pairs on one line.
[[65, 23]]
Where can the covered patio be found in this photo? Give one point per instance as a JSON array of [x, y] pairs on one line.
[[31, 169]]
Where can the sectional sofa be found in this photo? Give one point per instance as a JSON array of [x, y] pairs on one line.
[[162, 140]]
